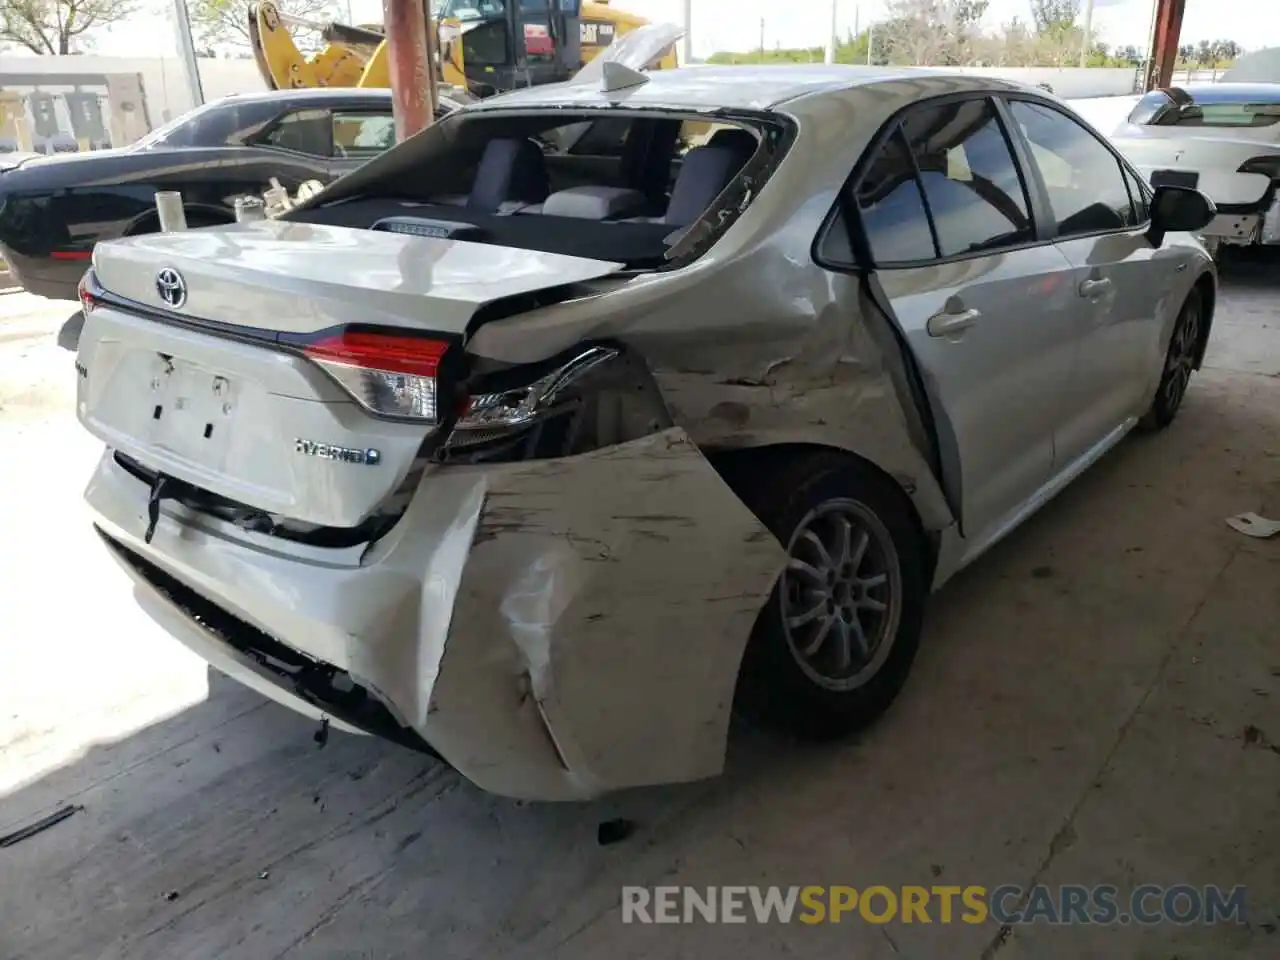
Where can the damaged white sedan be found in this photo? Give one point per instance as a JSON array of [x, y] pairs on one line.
[[1221, 138], [596, 413]]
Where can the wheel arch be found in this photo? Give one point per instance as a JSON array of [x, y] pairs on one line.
[[1207, 287], [740, 466]]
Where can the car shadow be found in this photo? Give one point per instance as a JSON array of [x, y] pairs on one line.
[[1256, 268]]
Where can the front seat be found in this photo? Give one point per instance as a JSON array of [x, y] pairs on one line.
[[735, 139], [511, 175]]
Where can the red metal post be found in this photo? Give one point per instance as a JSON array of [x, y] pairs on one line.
[[1164, 44], [409, 63]]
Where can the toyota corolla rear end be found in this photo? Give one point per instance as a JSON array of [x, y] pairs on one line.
[[344, 515]]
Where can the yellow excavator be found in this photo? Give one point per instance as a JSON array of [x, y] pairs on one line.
[[482, 46]]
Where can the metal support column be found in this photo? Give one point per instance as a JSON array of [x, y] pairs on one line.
[[686, 42], [409, 63], [190, 66], [1164, 42]]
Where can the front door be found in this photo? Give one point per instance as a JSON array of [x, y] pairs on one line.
[[1100, 215], [986, 307]]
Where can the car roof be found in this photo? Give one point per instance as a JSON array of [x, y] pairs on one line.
[[304, 95], [748, 87]]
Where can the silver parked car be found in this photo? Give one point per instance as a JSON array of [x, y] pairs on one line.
[[596, 413]]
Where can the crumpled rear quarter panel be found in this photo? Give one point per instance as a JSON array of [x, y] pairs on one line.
[[555, 629], [613, 593]]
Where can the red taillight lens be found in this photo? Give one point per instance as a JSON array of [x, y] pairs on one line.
[[87, 300], [391, 375]]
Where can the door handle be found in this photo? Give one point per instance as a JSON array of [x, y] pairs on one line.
[[1091, 288], [944, 324]]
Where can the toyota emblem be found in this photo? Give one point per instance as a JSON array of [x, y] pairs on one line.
[[171, 287]]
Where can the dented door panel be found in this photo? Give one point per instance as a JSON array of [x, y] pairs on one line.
[[999, 382]]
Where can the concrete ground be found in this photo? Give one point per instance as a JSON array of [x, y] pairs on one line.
[[1096, 701]]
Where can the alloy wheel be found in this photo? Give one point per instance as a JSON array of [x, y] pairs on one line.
[[841, 594]]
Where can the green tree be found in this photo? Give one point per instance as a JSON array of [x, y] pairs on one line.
[[932, 32], [1049, 16], [226, 22], [57, 26]]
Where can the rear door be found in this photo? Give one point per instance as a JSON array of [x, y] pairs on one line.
[[1119, 279], [982, 298]]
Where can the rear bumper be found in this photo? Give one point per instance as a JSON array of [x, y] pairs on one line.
[[1257, 226], [44, 276], [1248, 204], [554, 630]]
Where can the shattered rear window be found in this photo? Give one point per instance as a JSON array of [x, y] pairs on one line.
[[648, 188]]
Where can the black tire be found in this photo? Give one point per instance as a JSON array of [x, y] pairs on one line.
[[778, 686], [1181, 359]]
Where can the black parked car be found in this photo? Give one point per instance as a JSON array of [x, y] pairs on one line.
[[54, 209]]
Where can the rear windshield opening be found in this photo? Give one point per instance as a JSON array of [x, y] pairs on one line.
[[1225, 107], [647, 189]]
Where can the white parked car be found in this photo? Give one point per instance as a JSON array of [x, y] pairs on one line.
[[1222, 138], [545, 441]]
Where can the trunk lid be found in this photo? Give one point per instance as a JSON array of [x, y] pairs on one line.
[[297, 278], [222, 397], [1215, 159]]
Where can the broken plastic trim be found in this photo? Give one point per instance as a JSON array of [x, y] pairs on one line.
[[246, 517], [320, 684], [591, 397], [518, 407]]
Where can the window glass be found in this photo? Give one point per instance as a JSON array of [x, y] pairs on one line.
[[306, 131], [970, 178], [470, 9], [1150, 107], [1139, 195], [892, 208], [604, 138], [362, 134], [1083, 177], [1221, 115]]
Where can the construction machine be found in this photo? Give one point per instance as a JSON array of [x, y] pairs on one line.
[[482, 46]]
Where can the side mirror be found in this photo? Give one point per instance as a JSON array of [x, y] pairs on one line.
[[1179, 210]]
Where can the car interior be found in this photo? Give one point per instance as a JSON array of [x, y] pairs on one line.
[[620, 188]]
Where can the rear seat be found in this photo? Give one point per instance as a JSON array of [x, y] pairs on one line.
[[595, 203], [511, 177]]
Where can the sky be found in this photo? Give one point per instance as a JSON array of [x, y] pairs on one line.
[[735, 24]]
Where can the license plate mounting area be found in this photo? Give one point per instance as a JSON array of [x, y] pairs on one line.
[[191, 410]]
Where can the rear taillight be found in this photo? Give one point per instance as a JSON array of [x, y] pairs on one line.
[[389, 374], [85, 292], [1268, 166]]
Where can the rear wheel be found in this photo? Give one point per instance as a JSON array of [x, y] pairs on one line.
[[836, 640], [1180, 362]]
